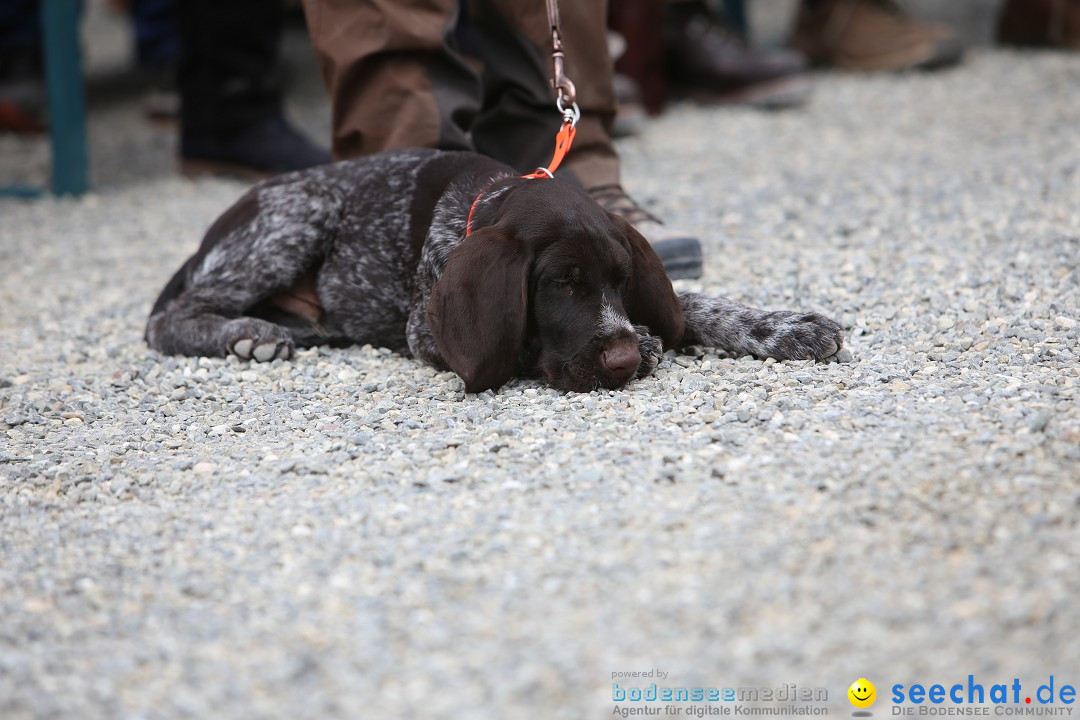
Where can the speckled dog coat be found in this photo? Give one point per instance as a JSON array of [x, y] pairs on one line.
[[375, 250]]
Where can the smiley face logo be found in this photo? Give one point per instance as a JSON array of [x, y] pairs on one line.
[[862, 693]]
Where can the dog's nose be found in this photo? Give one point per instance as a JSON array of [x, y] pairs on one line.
[[621, 361]]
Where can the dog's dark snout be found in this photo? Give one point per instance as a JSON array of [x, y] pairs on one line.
[[621, 360]]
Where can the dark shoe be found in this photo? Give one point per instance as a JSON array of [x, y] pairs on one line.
[[22, 91], [872, 35], [1047, 23], [679, 251], [712, 63], [268, 148]]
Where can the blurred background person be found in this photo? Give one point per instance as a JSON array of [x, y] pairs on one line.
[[230, 80], [687, 48], [22, 89], [224, 58]]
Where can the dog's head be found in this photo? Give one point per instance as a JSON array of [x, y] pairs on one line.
[[551, 275]]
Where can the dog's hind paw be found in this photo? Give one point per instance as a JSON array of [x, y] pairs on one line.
[[253, 339]]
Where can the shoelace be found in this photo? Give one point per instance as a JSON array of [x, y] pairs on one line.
[[614, 199]]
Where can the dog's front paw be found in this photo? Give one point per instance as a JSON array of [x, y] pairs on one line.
[[651, 349], [786, 335], [259, 340]]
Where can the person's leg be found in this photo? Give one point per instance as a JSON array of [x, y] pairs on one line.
[[1047, 23], [519, 119], [397, 80], [20, 24], [229, 73], [157, 40], [394, 79], [157, 51], [640, 24], [231, 117], [22, 87]]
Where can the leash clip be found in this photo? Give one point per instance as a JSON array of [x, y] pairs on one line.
[[570, 115], [562, 84]]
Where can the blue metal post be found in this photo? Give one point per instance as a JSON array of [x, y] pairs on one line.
[[67, 103]]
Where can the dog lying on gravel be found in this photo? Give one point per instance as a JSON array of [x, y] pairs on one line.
[[452, 258]]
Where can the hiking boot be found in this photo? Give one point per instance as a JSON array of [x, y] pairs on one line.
[[678, 250], [872, 35], [267, 148], [1047, 23], [710, 62]]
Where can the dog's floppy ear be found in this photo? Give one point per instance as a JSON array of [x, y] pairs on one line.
[[477, 311], [650, 300]]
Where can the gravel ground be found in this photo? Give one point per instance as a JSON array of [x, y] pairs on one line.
[[349, 535]]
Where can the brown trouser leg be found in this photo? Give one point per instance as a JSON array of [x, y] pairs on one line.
[[380, 61], [395, 80]]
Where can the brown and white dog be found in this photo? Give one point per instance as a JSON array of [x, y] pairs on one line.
[[376, 250]]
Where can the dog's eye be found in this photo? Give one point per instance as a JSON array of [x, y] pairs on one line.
[[570, 276]]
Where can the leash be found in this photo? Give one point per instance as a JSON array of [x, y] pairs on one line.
[[565, 101], [566, 95]]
